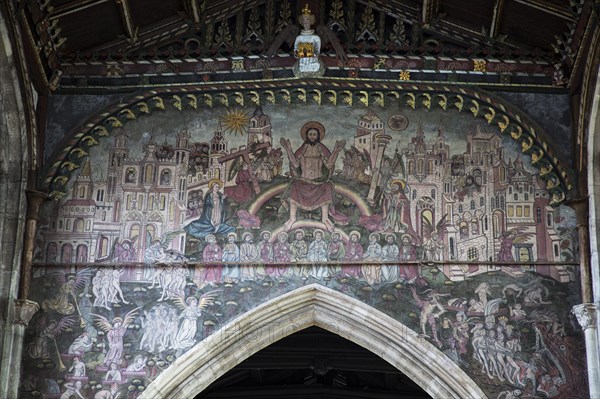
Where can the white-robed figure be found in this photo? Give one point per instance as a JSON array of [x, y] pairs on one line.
[[371, 271], [317, 250], [307, 48], [317, 254], [231, 254], [389, 253], [191, 311]]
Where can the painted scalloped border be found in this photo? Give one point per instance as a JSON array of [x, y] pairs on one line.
[[319, 92]]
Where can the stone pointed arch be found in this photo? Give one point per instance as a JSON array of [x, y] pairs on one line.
[[314, 305]]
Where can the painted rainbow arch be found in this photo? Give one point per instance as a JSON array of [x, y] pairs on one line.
[[346, 191]]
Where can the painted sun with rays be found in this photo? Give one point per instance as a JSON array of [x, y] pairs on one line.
[[235, 121]]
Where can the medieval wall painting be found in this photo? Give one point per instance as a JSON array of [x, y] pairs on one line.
[[446, 184], [431, 217]]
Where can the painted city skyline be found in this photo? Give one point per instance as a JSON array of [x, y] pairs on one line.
[[452, 194]]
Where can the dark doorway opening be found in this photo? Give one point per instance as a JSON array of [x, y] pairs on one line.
[[313, 364]]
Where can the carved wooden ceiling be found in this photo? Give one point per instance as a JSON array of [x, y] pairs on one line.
[[121, 45]]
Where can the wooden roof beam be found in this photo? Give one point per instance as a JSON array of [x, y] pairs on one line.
[[148, 34], [73, 7], [195, 9], [127, 20], [549, 8], [430, 11], [228, 9], [497, 18]]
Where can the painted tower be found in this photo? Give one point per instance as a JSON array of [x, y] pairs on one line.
[[117, 156], [260, 129], [72, 237], [369, 126], [218, 148]]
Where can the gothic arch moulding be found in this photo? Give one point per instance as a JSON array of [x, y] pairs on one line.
[[314, 305]]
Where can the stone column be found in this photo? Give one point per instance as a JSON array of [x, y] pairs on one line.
[[581, 207], [19, 315], [587, 317], [34, 200]]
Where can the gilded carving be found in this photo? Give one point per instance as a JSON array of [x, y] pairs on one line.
[[479, 65]]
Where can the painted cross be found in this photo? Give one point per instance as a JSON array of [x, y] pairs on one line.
[[245, 154]]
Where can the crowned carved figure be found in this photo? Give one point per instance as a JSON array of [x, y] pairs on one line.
[[307, 48], [307, 44]]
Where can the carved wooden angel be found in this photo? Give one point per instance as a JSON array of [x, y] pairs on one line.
[[307, 45]]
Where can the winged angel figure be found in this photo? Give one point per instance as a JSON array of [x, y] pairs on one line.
[[115, 331], [508, 238], [307, 45], [125, 251], [158, 251], [191, 309], [433, 239], [46, 332], [69, 284]]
